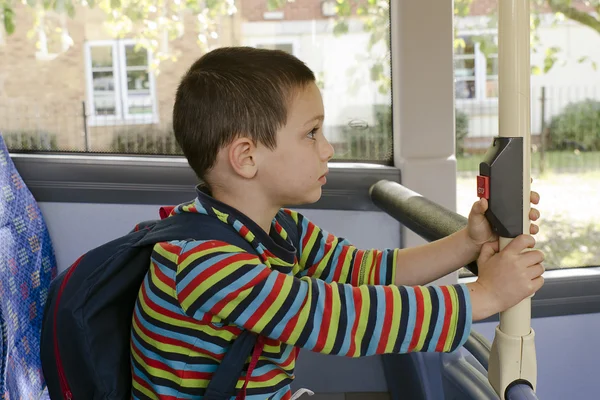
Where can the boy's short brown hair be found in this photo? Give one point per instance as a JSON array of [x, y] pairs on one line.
[[231, 92]]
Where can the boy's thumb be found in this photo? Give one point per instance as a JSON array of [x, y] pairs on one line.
[[487, 251]]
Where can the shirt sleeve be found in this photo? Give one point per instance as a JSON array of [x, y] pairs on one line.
[[219, 282], [324, 256]]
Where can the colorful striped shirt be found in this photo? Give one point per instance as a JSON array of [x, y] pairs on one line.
[[321, 294]]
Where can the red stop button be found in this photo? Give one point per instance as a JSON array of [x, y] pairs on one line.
[[483, 186]]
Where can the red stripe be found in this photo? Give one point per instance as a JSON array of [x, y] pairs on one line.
[[308, 234], [170, 341], [210, 244], [164, 367], [270, 299], [377, 270], [143, 383], [419, 320], [356, 263], [208, 272], [356, 294], [244, 231], [288, 361], [326, 321], [387, 322], [163, 311], [287, 395], [447, 318], [162, 277], [291, 325], [266, 376], [340, 264]]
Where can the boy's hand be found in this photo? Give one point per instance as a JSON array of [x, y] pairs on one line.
[[479, 229], [506, 277]]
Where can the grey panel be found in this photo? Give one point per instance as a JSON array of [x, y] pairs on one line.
[[169, 180]]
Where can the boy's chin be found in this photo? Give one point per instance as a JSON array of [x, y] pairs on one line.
[[305, 198]]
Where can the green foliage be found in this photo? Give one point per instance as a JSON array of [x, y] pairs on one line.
[[578, 126], [30, 141], [462, 130], [149, 140]]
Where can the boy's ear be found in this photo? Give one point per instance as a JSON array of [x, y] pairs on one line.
[[242, 157]]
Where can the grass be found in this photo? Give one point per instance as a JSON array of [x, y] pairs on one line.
[[570, 222], [555, 161]]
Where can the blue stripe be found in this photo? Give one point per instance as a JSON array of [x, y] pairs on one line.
[[333, 261], [293, 310], [318, 316], [468, 315], [258, 300], [440, 320], [200, 268], [381, 315], [351, 317], [412, 318], [383, 267]]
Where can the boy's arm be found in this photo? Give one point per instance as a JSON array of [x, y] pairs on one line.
[[423, 264], [218, 279], [324, 256]]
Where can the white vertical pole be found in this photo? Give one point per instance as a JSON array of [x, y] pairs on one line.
[[513, 350]]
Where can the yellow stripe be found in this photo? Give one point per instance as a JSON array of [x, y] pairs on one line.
[[426, 317], [270, 383], [144, 390], [395, 328], [276, 305], [309, 245], [345, 276], [163, 287], [453, 319], [304, 313], [336, 311], [166, 253], [325, 260], [367, 264], [155, 371], [175, 323], [364, 314], [183, 264], [210, 282], [394, 267]]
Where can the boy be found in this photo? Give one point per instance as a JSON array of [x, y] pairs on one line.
[[250, 124]]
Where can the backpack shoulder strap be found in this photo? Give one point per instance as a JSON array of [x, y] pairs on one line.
[[200, 227], [192, 226]]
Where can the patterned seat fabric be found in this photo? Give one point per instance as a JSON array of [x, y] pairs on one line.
[[27, 265]]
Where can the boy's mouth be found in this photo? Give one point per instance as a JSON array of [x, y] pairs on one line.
[[323, 178]]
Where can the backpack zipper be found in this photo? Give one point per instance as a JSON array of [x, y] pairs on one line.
[[64, 385]]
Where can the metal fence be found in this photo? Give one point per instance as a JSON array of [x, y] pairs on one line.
[[71, 127], [565, 129]]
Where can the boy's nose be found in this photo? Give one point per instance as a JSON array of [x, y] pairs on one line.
[[327, 151]]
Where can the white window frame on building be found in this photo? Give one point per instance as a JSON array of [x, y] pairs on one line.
[[275, 40], [119, 68], [480, 65]]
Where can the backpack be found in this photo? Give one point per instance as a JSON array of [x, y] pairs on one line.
[[85, 339]]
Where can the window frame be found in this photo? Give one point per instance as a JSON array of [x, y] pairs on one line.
[[280, 39], [167, 180], [119, 68], [480, 65]]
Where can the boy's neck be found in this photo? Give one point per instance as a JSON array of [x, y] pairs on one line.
[[253, 206]]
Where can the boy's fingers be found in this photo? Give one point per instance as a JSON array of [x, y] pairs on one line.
[[534, 214], [533, 229], [536, 270], [532, 257], [534, 197], [488, 250], [520, 243]]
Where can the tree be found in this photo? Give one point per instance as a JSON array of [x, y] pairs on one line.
[[162, 21]]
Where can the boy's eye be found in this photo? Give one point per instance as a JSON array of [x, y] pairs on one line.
[[313, 133]]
